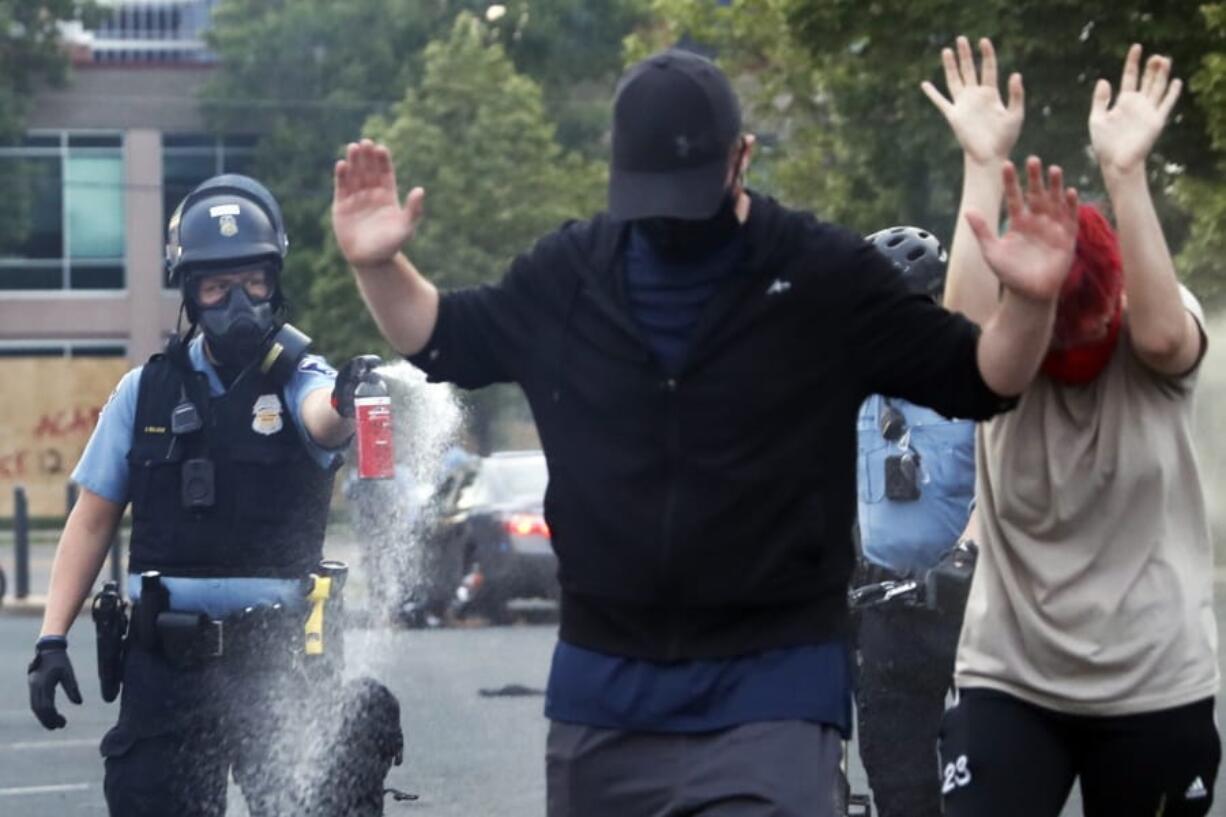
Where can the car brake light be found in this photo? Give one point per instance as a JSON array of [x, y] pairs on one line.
[[526, 524]]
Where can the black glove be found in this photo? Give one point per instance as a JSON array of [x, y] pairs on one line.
[[347, 379], [49, 668]]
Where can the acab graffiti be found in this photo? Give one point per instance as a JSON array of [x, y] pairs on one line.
[[51, 451]]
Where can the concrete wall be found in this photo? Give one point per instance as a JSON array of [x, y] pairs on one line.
[[142, 103], [138, 315], [148, 319], [124, 97]]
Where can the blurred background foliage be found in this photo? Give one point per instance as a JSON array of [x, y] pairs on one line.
[[501, 111], [837, 84], [30, 55]]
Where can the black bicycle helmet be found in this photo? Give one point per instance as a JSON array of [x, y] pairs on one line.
[[917, 254]]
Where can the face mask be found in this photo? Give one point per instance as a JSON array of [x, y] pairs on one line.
[[680, 240], [236, 328], [1081, 364]]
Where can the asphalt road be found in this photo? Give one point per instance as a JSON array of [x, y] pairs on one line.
[[465, 754]]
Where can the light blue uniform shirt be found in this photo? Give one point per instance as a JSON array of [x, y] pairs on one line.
[[912, 535], [103, 469]]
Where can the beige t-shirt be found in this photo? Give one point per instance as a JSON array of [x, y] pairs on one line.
[[1094, 589]]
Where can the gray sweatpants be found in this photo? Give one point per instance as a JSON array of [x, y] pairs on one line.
[[767, 769]]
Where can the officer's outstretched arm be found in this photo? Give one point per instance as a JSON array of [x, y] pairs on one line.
[[323, 422], [371, 226], [78, 558]]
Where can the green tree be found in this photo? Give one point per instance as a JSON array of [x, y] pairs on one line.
[[573, 49], [1203, 259], [306, 75], [474, 133], [31, 54], [837, 82]]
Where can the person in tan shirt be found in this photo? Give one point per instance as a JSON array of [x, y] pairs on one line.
[[1089, 650]]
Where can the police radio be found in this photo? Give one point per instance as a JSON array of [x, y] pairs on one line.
[[196, 489], [902, 471]]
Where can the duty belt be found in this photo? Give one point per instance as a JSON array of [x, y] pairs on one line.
[[188, 639], [872, 573]]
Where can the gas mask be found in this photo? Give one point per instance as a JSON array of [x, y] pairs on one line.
[[237, 328]]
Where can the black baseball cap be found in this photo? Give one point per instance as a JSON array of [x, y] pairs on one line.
[[675, 121]]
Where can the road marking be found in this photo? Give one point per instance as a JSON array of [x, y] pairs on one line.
[[64, 787], [52, 744]]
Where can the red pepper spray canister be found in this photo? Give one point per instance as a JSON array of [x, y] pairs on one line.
[[373, 421]]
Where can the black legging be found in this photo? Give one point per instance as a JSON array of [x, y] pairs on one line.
[[1003, 757]]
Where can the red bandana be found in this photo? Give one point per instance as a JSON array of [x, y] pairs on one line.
[[1092, 291], [1078, 365]]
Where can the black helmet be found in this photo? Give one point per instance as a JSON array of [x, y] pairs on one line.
[[227, 219], [918, 255]]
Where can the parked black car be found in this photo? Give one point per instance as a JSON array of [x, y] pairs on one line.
[[491, 523]]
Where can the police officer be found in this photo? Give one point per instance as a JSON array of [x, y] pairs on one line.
[[226, 446], [916, 482]]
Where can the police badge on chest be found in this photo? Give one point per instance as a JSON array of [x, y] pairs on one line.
[[266, 415]]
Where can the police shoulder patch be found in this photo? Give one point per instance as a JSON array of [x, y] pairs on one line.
[[315, 364]]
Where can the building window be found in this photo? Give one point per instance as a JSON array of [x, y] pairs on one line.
[[62, 226], [190, 158], [137, 32]]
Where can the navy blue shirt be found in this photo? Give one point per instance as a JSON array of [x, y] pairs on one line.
[[666, 299], [811, 683]]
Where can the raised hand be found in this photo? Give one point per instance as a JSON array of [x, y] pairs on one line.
[[1033, 258], [1124, 133], [368, 219], [986, 128]]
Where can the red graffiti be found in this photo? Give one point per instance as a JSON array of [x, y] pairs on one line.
[[13, 465], [67, 422], [25, 463], [47, 460]]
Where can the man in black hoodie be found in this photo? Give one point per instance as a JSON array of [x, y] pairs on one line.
[[695, 359]]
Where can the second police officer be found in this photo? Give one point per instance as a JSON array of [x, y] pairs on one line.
[[916, 483], [226, 446]]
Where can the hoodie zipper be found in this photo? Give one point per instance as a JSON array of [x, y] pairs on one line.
[[670, 385], [673, 447]]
